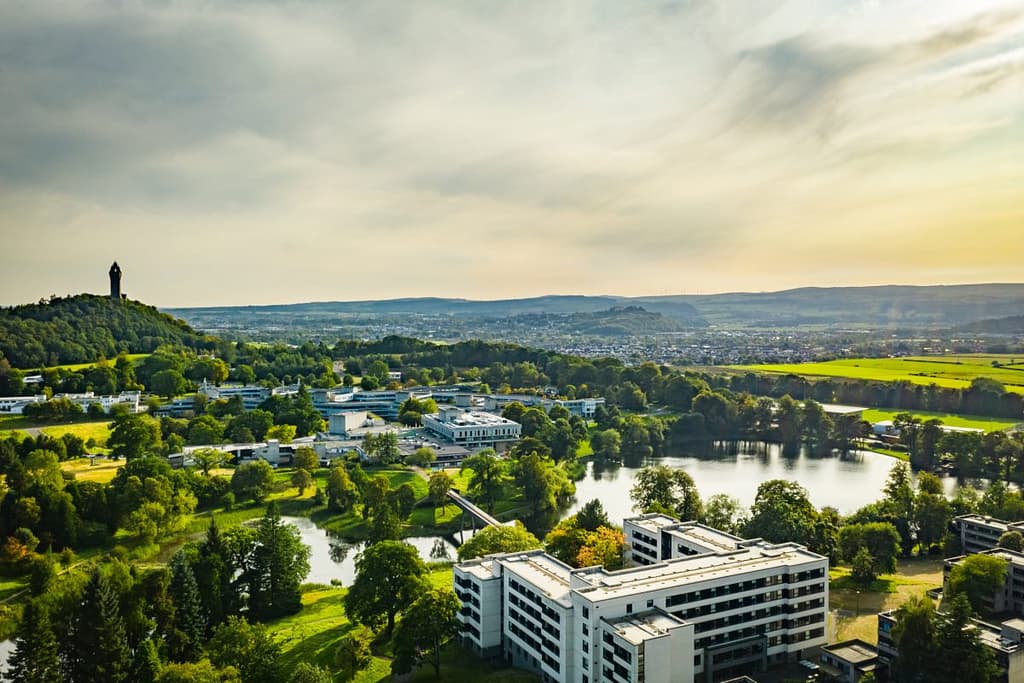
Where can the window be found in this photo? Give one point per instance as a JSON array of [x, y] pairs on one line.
[[586, 612], [650, 603], [629, 608]]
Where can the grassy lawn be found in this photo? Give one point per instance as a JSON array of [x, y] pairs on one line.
[[97, 431], [989, 424], [135, 358], [101, 470], [891, 452], [955, 371], [857, 612], [312, 636]]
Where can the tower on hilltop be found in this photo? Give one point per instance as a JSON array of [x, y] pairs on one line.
[[115, 282]]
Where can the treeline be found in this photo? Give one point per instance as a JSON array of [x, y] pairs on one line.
[[82, 328], [196, 619]]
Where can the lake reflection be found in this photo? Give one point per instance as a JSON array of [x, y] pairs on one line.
[[846, 482], [335, 558]]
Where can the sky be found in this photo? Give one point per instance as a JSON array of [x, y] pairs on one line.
[[230, 152]]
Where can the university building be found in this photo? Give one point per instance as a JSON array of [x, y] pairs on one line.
[[472, 429], [706, 606]]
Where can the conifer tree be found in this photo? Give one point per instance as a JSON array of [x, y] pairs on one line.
[[101, 647], [188, 625], [35, 658]]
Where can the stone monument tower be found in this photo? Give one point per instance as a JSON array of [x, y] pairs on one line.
[[115, 282]]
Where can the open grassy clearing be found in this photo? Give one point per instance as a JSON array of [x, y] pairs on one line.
[[312, 636], [100, 469], [856, 615], [135, 358], [988, 424], [955, 371], [97, 431]]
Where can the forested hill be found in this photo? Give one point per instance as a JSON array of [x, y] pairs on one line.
[[1013, 324], [80, 329]]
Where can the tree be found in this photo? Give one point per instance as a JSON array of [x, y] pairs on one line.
[[252, 480], [301, 479], [421, 457], [389, 575], [439, 485], [488, 478], [133, 435], [498, 539], [248, 648], [592, 515], [278, 563], [306, 459], [863, 565], [283, 433], [880, 539], [198, 672], [782, 512], [187, 629], [100, 643], [606, 444], [207, 459], [603, 547], [205, 429], [342, 493], [977, 577], [168, 383], [353, 653], [722, 511], [426, 627], [671, 491], [1012, 540], [914, 637], [959, 654], [309, 673], [899, 498], [35, 657]]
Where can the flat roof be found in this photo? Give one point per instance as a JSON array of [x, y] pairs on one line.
[[839, 409], [681, 571], [711, 539], [643, 626], [473, 418], [547, 574], [854, 651]]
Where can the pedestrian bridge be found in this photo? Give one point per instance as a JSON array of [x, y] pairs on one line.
[[474, 512]]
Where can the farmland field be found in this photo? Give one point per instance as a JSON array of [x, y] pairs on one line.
[[954, 371], [988, 424]]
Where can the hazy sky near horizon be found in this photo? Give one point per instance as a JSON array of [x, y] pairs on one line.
[[258, 151]]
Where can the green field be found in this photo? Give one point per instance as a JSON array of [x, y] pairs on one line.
[[133, 357], [989, 424], [97, 431], [955, 371]]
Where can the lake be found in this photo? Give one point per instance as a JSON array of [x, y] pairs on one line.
[[846, 482]]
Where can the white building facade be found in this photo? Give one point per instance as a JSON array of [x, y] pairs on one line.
[[704, 616], [472, 429]]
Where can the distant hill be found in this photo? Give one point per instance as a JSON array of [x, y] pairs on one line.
[[1013, 324], [80, 329], [617, 321], [888, 307]]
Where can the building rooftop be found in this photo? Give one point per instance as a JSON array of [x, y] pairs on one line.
[[472, 418], [854, 651], [711, 539], [643, 626], [837, 409], [543, 571], [600, 584]]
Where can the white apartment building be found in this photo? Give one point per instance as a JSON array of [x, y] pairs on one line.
[[727, 607], [470, 428], [981, 532], [584, 407]]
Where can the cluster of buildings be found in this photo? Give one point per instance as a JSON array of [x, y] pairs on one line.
[[701, 605], [15, 405]]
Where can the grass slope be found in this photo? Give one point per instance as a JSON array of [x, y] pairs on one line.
[[989, 424]]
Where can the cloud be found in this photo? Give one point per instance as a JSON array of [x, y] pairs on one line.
[[587, 146]]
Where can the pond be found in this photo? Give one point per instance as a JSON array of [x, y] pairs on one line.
[[332, 557], [846, 482]]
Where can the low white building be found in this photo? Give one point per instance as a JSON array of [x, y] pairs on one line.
[[730, 607], [131, 399], [15, 405], [471, 428]]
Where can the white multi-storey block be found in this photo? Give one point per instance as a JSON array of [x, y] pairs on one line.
[[717, 606], [469, 428]]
